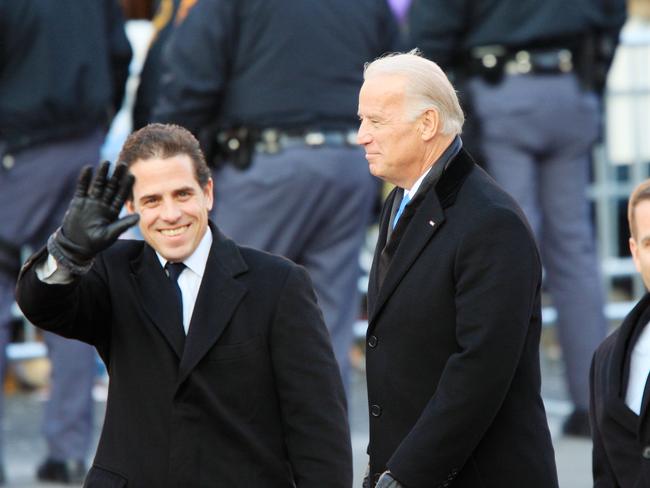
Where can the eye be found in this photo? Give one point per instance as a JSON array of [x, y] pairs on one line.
[[149, 201]]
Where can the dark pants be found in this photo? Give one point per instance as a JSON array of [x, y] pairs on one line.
[[36, 185], [538, 133], [311, 205]]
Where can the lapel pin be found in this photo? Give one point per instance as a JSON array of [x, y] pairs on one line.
[[432, 223]]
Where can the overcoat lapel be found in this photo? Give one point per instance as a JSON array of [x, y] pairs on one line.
[[373, 278], [425, 222], [158, 298], [218, 298], [423, 225], [617, 381]]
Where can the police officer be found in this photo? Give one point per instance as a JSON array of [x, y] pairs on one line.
[[532, 69], [278, 80], [63, 67]]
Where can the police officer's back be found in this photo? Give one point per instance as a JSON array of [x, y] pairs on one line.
[[532, 70], [63, 68], [270, 87]]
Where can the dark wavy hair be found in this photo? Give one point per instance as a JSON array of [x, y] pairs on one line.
[[162, 141]]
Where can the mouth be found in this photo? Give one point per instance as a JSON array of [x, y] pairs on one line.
[[176, 231]]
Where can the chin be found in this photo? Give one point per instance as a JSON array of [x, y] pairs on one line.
[[174, 254]]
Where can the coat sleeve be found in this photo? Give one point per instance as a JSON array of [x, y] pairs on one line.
[[196, 63], [120, 52], [601, 468], [78, 310], [436, 28], [311, 393], [497, 276]]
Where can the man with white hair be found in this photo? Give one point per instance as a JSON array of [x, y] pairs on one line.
[[453, 300]]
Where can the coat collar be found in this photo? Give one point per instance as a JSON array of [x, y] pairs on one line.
[[616, 373], [217, 299], [427, 219]]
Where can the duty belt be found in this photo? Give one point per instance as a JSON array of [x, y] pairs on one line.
[[272, 141], [493, 61]]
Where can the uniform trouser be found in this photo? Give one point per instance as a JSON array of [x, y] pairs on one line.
[[34, 194], [311, 205], [538, 133]]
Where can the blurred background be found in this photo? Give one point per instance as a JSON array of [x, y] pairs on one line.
[[619, 160]]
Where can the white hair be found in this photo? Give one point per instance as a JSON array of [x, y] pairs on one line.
[[427, 87]]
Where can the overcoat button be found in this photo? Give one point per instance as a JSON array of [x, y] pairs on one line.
[[646, 452], [372, 341], [375, 410]]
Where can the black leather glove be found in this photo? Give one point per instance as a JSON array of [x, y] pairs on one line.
[[387, 481], [91, 223]]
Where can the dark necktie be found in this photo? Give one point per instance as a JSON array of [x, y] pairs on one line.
[[174, 270]]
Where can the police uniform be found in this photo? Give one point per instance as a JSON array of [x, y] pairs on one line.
[[532, 75], [279, 80], [64, 65]]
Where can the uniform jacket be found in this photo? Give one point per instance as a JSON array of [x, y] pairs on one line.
[[63, 68], [271, 63], [252, 397], [621, 453], [453, 337]]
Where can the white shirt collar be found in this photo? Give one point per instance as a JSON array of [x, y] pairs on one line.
[[413, 190], [197, 261]]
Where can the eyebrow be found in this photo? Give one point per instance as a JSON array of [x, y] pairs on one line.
[[188, 189]]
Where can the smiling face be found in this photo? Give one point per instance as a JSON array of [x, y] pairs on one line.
[[172, 205], [393, 143]]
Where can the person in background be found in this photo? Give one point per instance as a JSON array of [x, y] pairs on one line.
[[533, 78], [619, 375], [270, 89], [452, 357], [63, 68], [164, 21]]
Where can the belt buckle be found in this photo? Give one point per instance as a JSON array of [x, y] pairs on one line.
[[270, 139], [520, 64], [314, 139]]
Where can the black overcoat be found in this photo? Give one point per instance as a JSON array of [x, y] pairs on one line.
[[252, 397], [453, 341], [621, 453]]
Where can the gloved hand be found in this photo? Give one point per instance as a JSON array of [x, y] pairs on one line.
[[387, 481], [91, 222]]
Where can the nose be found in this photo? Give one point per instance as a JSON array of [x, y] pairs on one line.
[[170, 211], [363, 136]]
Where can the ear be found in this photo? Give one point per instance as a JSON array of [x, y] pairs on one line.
[[634, 250], [129, 206], [208, 192], [429, 124]]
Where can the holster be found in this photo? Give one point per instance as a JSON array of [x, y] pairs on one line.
[[228, 146]]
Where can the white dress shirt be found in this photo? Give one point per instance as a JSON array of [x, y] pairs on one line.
[[639, 370], [189, 281]]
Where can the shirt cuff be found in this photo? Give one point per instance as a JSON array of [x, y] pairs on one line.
[[50, 273]]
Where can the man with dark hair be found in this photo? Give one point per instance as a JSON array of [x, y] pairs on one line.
[[221, 369], [619, 375]]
